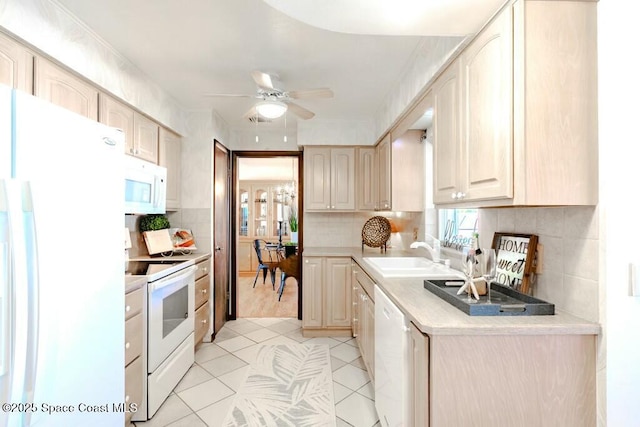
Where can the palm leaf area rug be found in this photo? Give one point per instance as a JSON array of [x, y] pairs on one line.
[[288, 385]]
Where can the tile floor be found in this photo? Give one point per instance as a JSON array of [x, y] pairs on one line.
[[206, 392]]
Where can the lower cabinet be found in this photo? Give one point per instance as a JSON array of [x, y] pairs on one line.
[[326, 299], [202, 300], [509, 380], [418, 377], [363, 323], [134, 335]]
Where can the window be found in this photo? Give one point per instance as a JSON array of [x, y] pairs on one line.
[[456, 227]]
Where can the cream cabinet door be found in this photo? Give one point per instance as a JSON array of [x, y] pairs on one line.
[[368, 315], [447, 147], [16, 65], [343, 175], [64, 89], [383, 153], [338, 292], [245, 250], [487, 94], [419, 377], [312, 297], [367, 177], [145, 137], [117, 115], [170, 156], [317, 178]]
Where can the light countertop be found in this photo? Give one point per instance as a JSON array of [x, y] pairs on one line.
[[434, 316]]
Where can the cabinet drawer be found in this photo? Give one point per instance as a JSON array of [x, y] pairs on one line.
[[202, 290], [132, 338], [133, 385], [202, 323], [133, 302], [365, 281], [202, 268]]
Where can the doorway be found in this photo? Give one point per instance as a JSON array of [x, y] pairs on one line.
[[266, 194]]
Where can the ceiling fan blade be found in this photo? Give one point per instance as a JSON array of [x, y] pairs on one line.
[[322, 92], [228, 95], [299, 111], [263, 80]]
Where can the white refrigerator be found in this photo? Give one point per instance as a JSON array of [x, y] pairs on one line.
[[61, 266]]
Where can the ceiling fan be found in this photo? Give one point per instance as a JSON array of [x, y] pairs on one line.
[[274, 101]]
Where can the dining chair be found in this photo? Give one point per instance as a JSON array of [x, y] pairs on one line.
[[264, 265]]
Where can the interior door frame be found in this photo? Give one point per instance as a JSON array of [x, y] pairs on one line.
[[235, 155], [226, 215]]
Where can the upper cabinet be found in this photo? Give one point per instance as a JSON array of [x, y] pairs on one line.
[[145, 138], [65, 89], [400, 173], [16, 65], [169, 156], [329, 179], [117, 115], [142, 135], [515, 116], [366, 178]]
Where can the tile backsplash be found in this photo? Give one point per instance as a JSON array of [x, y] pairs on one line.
[[570, 262], [197, 220], [344, 229]]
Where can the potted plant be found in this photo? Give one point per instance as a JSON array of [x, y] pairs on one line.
[[290, 249], [293, 225]]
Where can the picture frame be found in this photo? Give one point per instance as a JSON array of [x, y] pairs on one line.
[[515, 259]]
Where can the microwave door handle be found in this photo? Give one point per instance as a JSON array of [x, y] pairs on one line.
[[158, 191], [159, 284]]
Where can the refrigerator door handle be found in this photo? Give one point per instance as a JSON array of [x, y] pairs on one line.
[[7, 324], [33, 293]]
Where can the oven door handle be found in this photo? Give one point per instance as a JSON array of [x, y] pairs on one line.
[[172, 278]]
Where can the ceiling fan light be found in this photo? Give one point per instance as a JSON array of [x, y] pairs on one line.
[[271, 109]]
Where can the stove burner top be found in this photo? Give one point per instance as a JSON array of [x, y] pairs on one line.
[[156, 269]]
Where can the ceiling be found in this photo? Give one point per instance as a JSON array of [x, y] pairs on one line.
[[212, 46]]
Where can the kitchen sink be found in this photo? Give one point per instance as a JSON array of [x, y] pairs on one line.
[[411, 267]]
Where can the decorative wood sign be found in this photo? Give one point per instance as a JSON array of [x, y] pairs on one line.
[[515, 259]]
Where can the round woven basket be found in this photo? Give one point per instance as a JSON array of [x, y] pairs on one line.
[[376, 231]]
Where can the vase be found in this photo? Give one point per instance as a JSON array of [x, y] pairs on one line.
[[294, 237]]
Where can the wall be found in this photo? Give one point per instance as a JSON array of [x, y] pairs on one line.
[[53, 30], [570, 263]]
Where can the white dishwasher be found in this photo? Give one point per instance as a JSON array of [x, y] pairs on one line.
[[391, 362]]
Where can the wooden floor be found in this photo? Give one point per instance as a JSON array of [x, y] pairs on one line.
[[262, 301]]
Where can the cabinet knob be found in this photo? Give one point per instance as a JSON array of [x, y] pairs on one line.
[[453, 195], [127, 345], [131, 150], [204, 321], [328, 207], [460, 195], [306, 261], [126, 398], [127, 308], [333, 207], [204, 291], [205, 270]]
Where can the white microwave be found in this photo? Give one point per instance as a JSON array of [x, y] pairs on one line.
[[145, 187]]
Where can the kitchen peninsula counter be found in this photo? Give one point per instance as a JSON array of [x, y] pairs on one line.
[[434, 316]]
